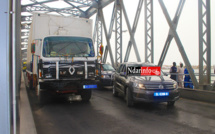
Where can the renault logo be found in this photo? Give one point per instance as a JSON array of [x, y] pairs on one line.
[[160, 86], [71, 70]]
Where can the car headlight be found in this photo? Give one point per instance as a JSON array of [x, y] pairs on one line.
[[105, 76], [175, 85], [103, 72], [139, 85]]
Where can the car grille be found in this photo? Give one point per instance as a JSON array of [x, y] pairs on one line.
[[158, 86]]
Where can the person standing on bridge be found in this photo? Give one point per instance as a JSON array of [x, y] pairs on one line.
[[187, 79], [180, 72], [173, 71]]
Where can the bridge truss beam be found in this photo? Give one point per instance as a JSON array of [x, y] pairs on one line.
[[149, 35], [204, 44], [118, 33], [179, 44], [170, 35], [136, 20]]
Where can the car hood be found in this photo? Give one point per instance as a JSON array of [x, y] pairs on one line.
[[153, 79]]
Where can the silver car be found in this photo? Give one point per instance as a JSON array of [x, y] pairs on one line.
[[137, 88]]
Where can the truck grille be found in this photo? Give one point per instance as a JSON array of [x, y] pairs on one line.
[[65, 74]]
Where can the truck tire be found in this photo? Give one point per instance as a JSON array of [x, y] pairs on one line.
[[128, 98], [30, 85], [86, 95], [42, 96]]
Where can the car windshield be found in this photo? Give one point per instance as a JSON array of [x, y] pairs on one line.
[[107, 68], [68, 46]]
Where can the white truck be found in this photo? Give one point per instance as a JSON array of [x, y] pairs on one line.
[[60, 56]]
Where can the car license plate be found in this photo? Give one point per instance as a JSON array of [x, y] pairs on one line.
[[161, 94], [89, 86]]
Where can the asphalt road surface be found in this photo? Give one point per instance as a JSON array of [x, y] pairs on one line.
[[105, 114]]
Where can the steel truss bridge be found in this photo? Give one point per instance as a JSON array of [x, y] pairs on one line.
[[88, 8], [11, 10]]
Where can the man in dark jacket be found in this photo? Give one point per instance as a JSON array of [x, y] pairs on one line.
[[173, 70]]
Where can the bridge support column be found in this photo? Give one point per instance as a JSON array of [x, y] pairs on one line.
[[149, 37], [204, 44], [118, 33]]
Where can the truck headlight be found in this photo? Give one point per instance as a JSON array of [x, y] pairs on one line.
[[48, 76], [80, 72], [91, 73]]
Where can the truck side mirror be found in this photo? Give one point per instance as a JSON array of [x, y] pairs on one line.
[[32, 47]]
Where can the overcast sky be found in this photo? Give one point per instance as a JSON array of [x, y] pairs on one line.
[[187, 30]]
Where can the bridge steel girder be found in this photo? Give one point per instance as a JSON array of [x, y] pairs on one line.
[[204, 43], [26, 26], [170, 35], [179, 44], [106, 36], [24, 40], [118, 33], [42, 2], [26, 18], [97, 5], [99, 35], [109, 33], [149, 35], [83, 2], [25, 33], [130, 31], [71, 11], [136, 19]]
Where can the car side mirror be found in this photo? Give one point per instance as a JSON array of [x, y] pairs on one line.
[[122, 73]]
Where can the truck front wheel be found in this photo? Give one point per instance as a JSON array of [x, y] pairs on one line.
[[86, 95]]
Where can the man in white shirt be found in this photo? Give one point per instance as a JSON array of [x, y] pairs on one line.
[[180, 72]]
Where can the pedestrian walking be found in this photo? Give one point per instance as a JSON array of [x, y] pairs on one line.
[[173, 71]]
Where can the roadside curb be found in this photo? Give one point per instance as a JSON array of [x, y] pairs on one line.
[[199, 95], [27, 125]]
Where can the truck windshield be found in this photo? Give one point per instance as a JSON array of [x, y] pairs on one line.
[[68, 46]]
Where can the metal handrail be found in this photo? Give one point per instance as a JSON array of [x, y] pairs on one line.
[[196, 74]]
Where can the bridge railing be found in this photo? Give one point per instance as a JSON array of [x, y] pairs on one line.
[[211, 85]]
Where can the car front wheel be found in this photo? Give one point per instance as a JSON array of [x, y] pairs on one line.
[[115, 93], [170, 103], [129, 98]]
